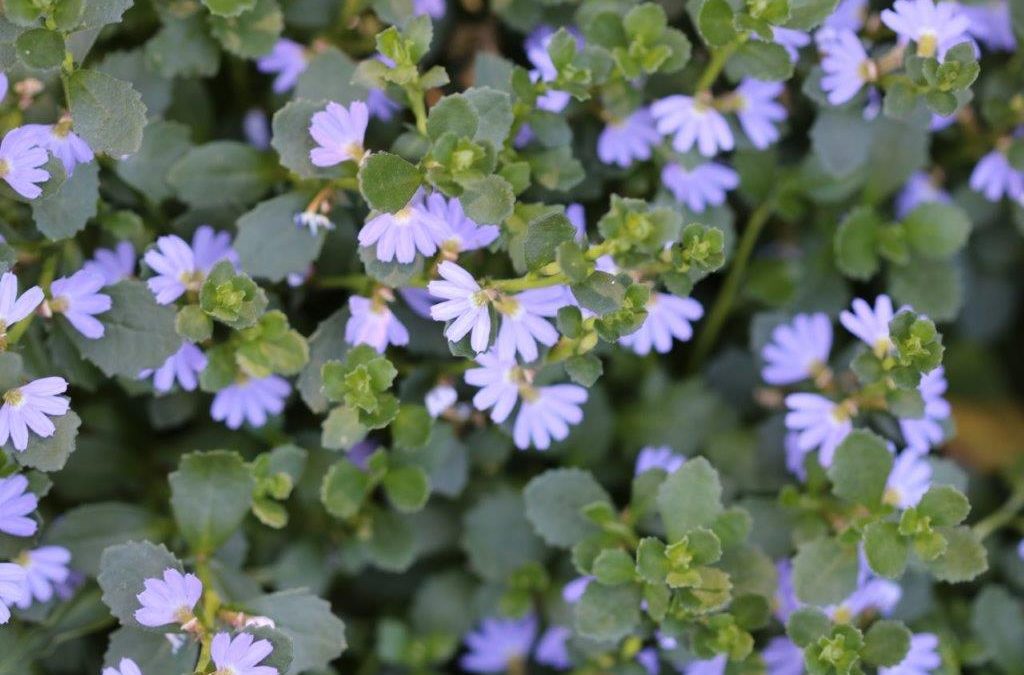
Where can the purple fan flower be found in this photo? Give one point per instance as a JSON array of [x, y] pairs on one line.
[[29, 407], [372, 323], [759, 112], [419, 300], [623, 142], [692, 121], [169, 600], [791, 40], [922, 658], [926, 431], [848, 15], [523, 324], [668, 316], [13, 589], [990, 23], [256, 128], [872, 594], [798, 350], [16, 505], [821, 423], [995, 177], [919, 189], [910, 478], [287, 61], [63, 143], [662, 457], [496, 643], [460, 233], [313, 222], [46, 568], [700, 187], [578, 217], [544, 70], [499, 385], [399, 236], [869, 325], [795, 455], [3, 86], [846, 66], [574, 590], [940, 122], [20, 159], [181, 268], [439, 399], [546, 413], [250, 400], [241, 655], [782, 657], [934, 27], [113, 264], [339, 133], [463, 303], [183, 366], [786, 601], [551, 650], [78, 298], [14, 308], [648, 660], [381, 105], [715, 666], [435, 9], [125, 667]]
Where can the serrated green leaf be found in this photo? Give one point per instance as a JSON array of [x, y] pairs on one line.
[[211, 492], [554, 501]]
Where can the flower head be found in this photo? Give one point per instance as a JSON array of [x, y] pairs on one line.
[[124, 667], [522, 322], [113, 264], [20, 159], [848, 15], [65, 145], [46, 569], [400, 235], [785, 601], [372, 323], [546, 413], [910, 478], [13, 589], [922, 658], [495, 643], [759, 112], [184, 366], [919, 189], [169, 600], [339, 133], [314, 222], [782, 657], [250, 400], [990, 23], [256, 128], [712, 666], [574, 590], [872, 594], [934, 27], [459, 232], [623, 142], [16, 505], [78, 298], [926, 431], [380, 105], [668, 317], [463, 303], [700, 187], [287, 61], [692, 121], [241, 655], [14, 308], [499, 388], [435, 9], [798, 350], [440, 398], [30, 406], [544, 70], [821, 423], [551, 649], [180, 267], [791, 40], [870, 325], [846, 66], [578, 217], [662, 457], [995, 177]]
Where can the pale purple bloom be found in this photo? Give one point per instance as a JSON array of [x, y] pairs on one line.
[[791, 40], [922, 658], [926, 431], [668, 317], [78, 298], [381, 105], [256, 128], [759, 112], [713, 666], [287, 61], [169, 600], [821, 424], [990, 23], [919, 189], [3, 86], [910, 478], [497, 642], [623, 142], [574, 590], [578, 217], [995, 177], [546, 413], [700, 187], [870, 325], [46, 568], [250, 400], [872, 594], [181, 268], [241, 655], [14, 308], [313, 222], [523, 324], [13, 589], [16, 505], [846, 66], [782, 657], [21, 157], [1020, 549], [399, 236], [459, 232], [439, 399], [29, 407], [662, 457], [692, 121], [795, 455], [499, 388], [551, 650], [786, 601], [523, 137], [339, 133], [463, 303], [940, 122], [419, 300], [934, 27], [183, 366], [435, 9], [372, 323], [63, 143], [848, 15], [544, 70], [648, 660], [125, 667], [113, 264], [798, 350]]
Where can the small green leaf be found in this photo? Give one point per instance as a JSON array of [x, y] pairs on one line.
[[554, 500], [608, 613], [856, 244], [886, 549], [543, 237], [937, 230], [211, 492], [228, 7], [222, 173], [40, 48], [761, 61], [407, 488], [825, 571], [690, 498], [388, 182], [51, 453], [108, 113], [411, 428], [715, 22], [860, 468], [344, 489], [886, 643], [453, 114], [944, 505], [613, 567], [807, 625], [964, 557]]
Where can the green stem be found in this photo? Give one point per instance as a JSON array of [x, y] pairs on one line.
[[352, 282], [525, 283], [1004, 515], [204, 655], [715, 65], [727, 296], [419, 108]]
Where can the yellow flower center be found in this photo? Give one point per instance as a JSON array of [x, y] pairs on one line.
[[14, 397], [927, 44], [5, 168]]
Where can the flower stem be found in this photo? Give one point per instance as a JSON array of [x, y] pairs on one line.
[[528, 282], [727, 296], [419, 108], [715, 65], [1003, 515]]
